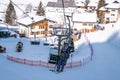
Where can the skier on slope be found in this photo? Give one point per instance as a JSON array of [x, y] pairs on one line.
[[62, 60]]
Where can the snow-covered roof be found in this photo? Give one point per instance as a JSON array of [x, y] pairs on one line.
[[32, 19], [6, 26], [29, 20], [68, 3], [93, 3], [3, 25], [113, 5], [102, 9], [85, 17]]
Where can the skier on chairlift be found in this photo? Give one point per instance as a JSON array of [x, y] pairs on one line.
[[62, 60]]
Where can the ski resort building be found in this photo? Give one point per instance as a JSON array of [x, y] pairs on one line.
[[38, 26], [84, 22]]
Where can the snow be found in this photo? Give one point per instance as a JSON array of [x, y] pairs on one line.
[[104, 66], [113, 5], [40, 52]]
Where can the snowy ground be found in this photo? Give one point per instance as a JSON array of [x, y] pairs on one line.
[[41, 52], [104, 66]]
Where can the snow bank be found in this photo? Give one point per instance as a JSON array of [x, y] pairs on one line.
[[115, 39]]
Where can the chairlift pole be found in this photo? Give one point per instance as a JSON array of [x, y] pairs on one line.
[[64, 12], [68, 17]]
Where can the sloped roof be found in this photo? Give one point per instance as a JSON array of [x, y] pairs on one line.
[[113, 5], [93, 3], [67, 3], [115, 1], [102, 9], [31, 20]]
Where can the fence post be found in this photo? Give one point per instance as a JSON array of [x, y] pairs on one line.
[[40, 63], [32, 63], [24, 61]]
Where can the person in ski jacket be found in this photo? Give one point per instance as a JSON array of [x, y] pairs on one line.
[[62, 60], [19, 46]]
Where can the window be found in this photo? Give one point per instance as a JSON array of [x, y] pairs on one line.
[[39, 27], [42, 32], [32, 27], [112, 14], [90, 24], [84, 24], [50, 26], [107, 19], [77, 2], [113, 10], [32, 33], [38, 32], [50, 32]]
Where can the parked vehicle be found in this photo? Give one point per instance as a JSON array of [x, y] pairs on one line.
[[98, 27]]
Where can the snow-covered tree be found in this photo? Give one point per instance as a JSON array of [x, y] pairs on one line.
[[40, 10], [101, 3], [10, 15], [86, 3], [28, 8]]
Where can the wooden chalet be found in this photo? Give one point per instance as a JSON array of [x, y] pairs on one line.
[[38, 26]]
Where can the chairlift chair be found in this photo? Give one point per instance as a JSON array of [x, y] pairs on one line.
[[53, 55]]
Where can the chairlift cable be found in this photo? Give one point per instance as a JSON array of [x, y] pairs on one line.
[[20, 9]]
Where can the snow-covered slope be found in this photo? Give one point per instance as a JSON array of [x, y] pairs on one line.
[[104, 66]]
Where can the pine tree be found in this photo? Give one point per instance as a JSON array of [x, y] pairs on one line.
[[40, 10], [100, 4], [28, 8], [86, 3], [10, 15]]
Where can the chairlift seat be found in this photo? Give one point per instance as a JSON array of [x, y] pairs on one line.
[[35, 42], [53, 56]]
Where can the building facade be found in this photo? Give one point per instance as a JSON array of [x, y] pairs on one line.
[[36, 27]]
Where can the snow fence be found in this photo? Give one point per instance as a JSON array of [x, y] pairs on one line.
[[49, 65]]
